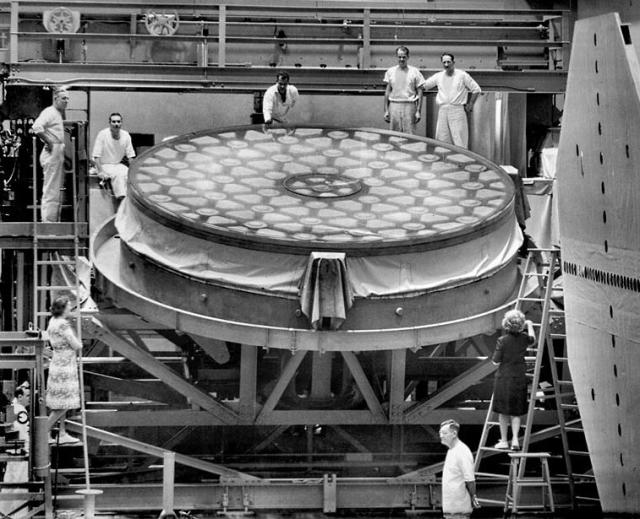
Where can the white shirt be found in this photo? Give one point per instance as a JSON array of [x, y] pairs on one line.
[[458, 468], [50, 122], [110, 150], [404, 83], [452, 90], [21, 423], [272, 105]]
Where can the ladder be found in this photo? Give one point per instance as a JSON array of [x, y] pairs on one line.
[[543, 482], [582, 482], [47, 244], [543, 274]]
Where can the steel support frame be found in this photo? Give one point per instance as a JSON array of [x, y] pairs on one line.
[[97, 330], [308, 494], [319, 494], [182, 78]]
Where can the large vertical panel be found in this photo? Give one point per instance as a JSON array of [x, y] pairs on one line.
[[599, 209]]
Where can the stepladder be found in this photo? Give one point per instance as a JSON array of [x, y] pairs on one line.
[[535, 297], [514, 501]]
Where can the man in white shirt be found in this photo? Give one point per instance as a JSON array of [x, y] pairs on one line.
[[403, 95], [111, 146], [17, 471], [458, 477], [278, 101], [49, 127], [457, 93]]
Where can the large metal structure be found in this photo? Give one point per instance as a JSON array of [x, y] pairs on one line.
[[598, 192], [230, 46], [238, 395]]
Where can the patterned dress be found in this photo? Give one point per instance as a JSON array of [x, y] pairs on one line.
[[63, 386]]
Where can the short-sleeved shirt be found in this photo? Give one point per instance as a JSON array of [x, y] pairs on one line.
[[458, 469], [405, 83], [110, 150], [50, 122], [273, 107], [452, 90]]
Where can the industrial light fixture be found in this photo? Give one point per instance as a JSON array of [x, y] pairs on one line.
[[162, 24], [61, 20]]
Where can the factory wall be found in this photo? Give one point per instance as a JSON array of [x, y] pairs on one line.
[[165, 114], [496, 126]]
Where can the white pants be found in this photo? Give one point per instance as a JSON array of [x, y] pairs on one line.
[[452, 125], [402, 117], [118, 174], [52, 163]]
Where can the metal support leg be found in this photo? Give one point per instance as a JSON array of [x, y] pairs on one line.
[[168, 482]]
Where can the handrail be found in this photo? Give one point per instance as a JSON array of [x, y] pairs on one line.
[[365, 24]]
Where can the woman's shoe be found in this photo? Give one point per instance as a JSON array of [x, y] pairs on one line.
[[67, 438], [515, 447], [502, 444]]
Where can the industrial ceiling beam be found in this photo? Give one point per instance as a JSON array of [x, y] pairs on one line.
[[401, 9], [243, 78]]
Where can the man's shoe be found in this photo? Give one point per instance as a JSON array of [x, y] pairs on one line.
[[501, 445]]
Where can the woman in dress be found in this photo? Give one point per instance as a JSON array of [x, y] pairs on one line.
[[510, 386], [63, 386]]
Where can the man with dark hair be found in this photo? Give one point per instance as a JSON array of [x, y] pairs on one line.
[[403, 95], [278, 100], [49, 127], [113, 146], [458, 477], [457, 93]]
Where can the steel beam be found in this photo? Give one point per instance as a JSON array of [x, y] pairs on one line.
[[95, 329], [270, 494], [152, 450], [286, 377], [232, 79], [364, 386], [179, 417], [60, 235], [270, 439], [248, 382], [149, 390], [397, 385], [321, 371], [400, 10], [451, 389], [349, 438]]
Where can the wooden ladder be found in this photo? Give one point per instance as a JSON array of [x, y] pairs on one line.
[[543, 272]]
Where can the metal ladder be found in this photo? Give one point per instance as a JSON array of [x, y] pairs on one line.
[[543, 273], [46, 255]]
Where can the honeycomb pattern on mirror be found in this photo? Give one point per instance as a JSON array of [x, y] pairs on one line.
[[278, 185]]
